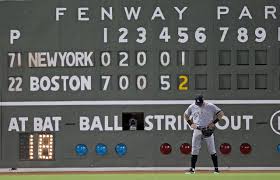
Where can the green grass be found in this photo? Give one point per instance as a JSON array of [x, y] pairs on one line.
[[178, 176]]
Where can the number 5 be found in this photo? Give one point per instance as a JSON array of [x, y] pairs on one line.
[[182, 33], [164, 82]]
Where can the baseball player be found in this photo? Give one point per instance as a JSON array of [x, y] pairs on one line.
[[202, 117]]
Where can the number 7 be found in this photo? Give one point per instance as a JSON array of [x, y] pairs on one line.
[[225, 30], [106, 84]]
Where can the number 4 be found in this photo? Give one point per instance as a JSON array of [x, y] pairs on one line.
[[164, 34]]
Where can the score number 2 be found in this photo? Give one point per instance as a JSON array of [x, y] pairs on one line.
[[183, 85]]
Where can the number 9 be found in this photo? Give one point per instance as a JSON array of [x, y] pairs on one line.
[[260, 34]]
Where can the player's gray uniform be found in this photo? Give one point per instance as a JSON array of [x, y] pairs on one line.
[[202, 117]]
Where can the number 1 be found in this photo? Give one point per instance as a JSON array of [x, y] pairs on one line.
[[105, 37]]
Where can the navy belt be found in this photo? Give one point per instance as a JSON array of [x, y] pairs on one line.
[[200, 128]]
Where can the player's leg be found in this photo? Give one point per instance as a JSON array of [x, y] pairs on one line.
[[212, 151], [196, 145]]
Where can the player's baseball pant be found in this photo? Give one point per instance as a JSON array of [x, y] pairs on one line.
[[197, 140]]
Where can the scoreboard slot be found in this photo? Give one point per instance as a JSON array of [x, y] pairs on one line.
[[133, 121]]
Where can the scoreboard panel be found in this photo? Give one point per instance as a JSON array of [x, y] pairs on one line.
[[75, 74], [36, 146]]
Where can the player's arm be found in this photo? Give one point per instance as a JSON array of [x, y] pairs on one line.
[[189, 121], [219, 116]]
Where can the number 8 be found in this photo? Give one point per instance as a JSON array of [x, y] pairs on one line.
[[242, 35]]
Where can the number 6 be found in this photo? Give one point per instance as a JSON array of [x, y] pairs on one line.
[[199, 35]]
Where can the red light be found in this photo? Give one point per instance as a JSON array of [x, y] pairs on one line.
[[225, 148], [245, 148], [185, 148], [165, 148]]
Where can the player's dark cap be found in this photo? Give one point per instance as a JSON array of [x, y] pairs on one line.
[[199, 100]]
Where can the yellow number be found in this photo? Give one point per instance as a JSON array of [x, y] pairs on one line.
[[183, 83]]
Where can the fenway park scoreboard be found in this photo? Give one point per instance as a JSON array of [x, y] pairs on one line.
[[105, 83]]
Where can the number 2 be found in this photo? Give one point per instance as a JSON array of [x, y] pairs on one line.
[[123, 61], [122, 38], [183, 84]]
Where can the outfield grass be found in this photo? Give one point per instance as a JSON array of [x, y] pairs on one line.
[[179, 176]]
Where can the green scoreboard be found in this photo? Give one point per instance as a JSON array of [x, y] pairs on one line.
[[105, 83]]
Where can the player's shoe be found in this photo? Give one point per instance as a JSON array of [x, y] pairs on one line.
[[216, 171], [191, 171]]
